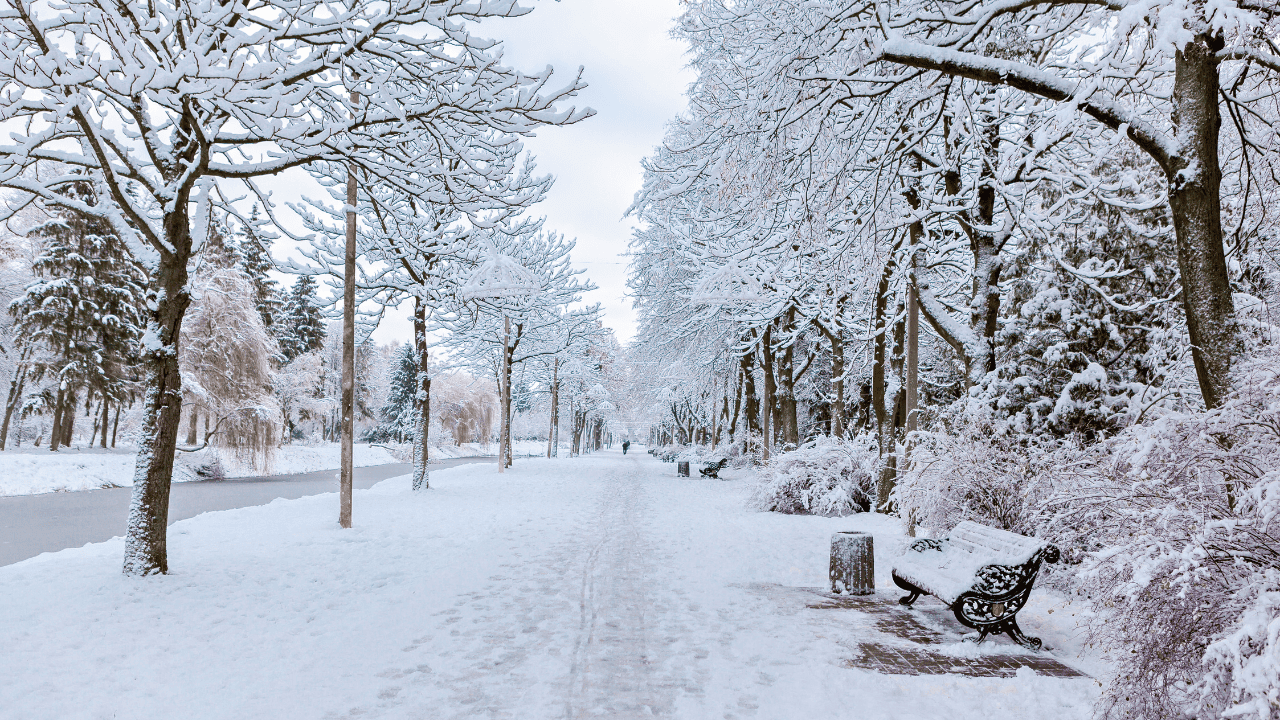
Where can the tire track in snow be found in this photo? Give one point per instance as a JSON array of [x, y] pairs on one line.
[[612, 672]]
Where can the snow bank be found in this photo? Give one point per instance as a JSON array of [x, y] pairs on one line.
[[26, 471], [593, 587]]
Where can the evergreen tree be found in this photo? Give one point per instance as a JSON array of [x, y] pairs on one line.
[[303, 330], [256, 251], [398, 414], [80, 322]]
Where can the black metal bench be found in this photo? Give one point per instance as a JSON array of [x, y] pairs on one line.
[[712, 470], [982, 573]]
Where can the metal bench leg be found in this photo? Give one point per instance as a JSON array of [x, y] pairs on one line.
[[1015, 633], [915, 591]]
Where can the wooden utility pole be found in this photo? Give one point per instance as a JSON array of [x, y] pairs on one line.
[[504, 390], [348, 347]]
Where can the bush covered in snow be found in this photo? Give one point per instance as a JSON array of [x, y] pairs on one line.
[[1184, 528], [828, 476], [987, 474]]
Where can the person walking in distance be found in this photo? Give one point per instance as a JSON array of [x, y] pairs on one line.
[[625, 444]]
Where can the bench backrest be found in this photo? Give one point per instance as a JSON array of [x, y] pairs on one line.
[[1004, 547]]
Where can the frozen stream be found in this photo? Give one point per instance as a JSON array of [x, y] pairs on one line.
[[34, 524]]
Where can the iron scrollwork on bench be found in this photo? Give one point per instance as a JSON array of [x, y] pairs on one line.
[[996, 592], [712, 470]]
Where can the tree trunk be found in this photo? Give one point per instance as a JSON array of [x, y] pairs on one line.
[[193, 431], [916, 233], [106, 418], [750, 401], [985, 306], [146, 547], [16, 386], [555, 409], [510, 352], [96, 417], [789, 424], [766, 364], [1195, 201], [880, 328], [69, 418], [55, 432], [348, 395], [115, 427], [504, 396], [837, 384], [422, 399]]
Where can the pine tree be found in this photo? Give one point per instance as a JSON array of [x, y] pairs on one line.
[[81, 321], [398, 414], [256, 251], [303, 329]]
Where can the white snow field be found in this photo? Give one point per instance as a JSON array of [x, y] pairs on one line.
[[31, 470], [600, 587]]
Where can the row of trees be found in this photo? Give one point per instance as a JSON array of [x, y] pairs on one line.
[[1025, 252], [395, 98], [848, 170], [77, 328]]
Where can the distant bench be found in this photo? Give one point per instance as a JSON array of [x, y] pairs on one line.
[[982, 573], [712, 470]]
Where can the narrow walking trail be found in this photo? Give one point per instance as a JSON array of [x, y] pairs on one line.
[[595, 587]]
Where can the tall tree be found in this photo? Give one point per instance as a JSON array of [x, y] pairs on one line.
[[80, 322], [304, 329], [255, 248]]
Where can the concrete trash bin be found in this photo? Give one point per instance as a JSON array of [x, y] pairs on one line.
[[853, 563]]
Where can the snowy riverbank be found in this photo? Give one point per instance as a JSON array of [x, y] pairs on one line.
[[592, 587], [31, 470]]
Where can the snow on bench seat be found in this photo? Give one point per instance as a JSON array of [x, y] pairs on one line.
[[952, 569]]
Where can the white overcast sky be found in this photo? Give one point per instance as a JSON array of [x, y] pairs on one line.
[[637, 79]]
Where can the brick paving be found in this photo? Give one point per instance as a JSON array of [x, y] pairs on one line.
[[906, 660], [903, 647]]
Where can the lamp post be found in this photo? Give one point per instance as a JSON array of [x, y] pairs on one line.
[[501, 278]]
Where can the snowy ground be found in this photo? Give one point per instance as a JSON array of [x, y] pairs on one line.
[[593, 587], [30, 470], [521, 448]]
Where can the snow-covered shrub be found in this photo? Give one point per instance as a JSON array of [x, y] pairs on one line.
[[828, 476], [203, 465], [746, 453], [668, 453], [985, 473], [1184, 528]]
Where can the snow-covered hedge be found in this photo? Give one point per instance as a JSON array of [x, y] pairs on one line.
[[983, 473], [1171, 528], [1183, 526], [828, 476]]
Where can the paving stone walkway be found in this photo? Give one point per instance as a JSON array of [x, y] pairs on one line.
[[894, 640]]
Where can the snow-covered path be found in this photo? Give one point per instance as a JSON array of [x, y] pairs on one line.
[[591, 587]]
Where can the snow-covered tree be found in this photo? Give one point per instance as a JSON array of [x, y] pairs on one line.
[[303, 327], [255, 247], [80, 322], [398, 416], [260, 88], [227, 356]]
